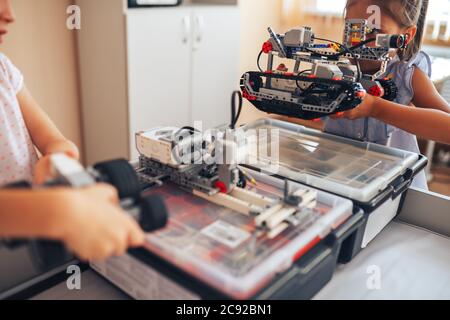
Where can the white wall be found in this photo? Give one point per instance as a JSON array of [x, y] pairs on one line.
[[256, 16], [43, 48]]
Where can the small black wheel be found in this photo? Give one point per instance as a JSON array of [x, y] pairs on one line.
[[242, 183], [256, 82], [154, 214], [122, 176], [390, 89]]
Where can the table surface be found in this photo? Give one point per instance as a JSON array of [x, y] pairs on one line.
[[400, 256]]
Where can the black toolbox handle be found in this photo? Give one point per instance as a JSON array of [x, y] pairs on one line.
[[333, 242], [401, 187], [350, 226], [407, 178]]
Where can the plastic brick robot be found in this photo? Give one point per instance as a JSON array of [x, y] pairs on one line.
[[334, 81], [175, 155]]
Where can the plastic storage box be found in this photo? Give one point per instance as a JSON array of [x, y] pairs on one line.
[[208, 251], [374, 177]]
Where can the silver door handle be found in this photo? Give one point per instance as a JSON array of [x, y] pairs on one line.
[[199, 31], [186, 29]]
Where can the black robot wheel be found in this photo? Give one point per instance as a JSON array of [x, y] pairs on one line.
[[122, 176], [154, 214], [390, 89]]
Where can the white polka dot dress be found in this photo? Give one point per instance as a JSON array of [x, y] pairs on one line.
[[17, 153]]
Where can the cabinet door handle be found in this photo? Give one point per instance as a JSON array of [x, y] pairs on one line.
[[186, 29], [199, 30]]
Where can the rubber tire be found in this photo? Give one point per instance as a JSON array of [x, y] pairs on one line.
[[122, 176], [390, 88], [154, 214]]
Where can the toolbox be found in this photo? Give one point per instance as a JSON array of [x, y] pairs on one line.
[[374, 177], [211, 252]]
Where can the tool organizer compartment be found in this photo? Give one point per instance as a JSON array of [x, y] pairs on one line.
[[211, 252], [374, 177]]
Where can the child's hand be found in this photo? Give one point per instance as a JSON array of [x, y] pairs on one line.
[[364, 110], [63, 146], [94, 227], [42, 170]]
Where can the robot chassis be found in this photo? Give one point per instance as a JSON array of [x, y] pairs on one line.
[[218, 179], [334, 84]]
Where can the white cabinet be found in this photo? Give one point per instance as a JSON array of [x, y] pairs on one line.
[[214, 64], [159, 66], [182, 65], [159, 58]]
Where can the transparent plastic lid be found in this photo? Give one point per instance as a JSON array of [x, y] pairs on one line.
[[353, 169], [224, 249]]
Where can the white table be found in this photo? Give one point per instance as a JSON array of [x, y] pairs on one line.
[[413, 264]]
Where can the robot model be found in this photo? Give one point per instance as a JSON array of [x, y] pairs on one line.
[[334, 83], [207, 167]]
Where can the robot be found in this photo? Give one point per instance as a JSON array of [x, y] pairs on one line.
[[207, 166], [333, 84]]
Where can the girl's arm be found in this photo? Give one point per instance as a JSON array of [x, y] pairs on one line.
[[44, 134], [427, 123], [31, 214], [425, 93], [89, 221]]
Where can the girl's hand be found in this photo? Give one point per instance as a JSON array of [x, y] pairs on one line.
[[364, 110], [93, 225], [42, 171]]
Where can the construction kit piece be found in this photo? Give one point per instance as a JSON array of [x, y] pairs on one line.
[[334, 83], [208, 168]]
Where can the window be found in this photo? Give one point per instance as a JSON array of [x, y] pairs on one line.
[[331, 7], [438, 14], [439, 20]]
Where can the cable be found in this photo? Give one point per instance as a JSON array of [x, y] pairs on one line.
[[346, 50], [257, 61], [299, 74], [327, 40], [191, 130], [362, 43], [358, 66], [234, 116]]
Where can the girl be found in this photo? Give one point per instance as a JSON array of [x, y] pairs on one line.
[[380, 121], [23, 124], [88, 221]]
